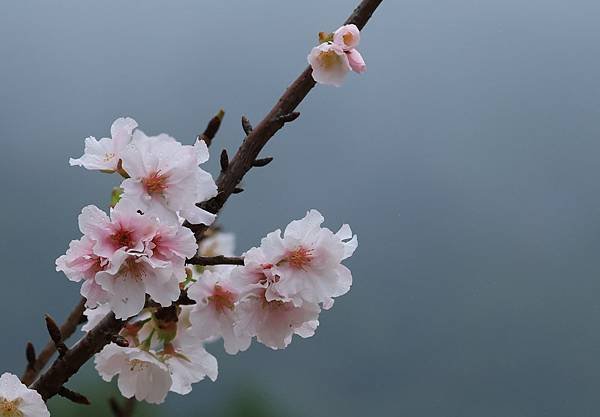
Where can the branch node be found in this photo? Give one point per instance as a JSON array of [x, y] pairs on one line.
[[237, 190], [246, 125], [262, 162]]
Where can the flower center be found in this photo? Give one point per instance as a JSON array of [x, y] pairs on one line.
[[222, 299], [348, 38], [10, 408], [109, 156], [136, 365], [299, 257], [122, 238], [329, 59], [155, 183]]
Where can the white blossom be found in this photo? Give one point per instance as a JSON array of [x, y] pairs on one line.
[[141, 374], [16, 400], [214, 314], [165, 178], [104, 154]]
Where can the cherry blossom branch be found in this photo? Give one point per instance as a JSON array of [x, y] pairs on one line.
[[67, 329], [215, 260], [51, 382], [125, 410], [282, 113]]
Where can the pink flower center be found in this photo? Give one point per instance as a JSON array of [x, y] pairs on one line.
[[299, 257], [155, 183], [222, 299], [122, 238]]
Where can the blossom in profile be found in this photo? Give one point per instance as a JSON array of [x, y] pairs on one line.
[[188, 362], [165, 178], [307, 261], [275, 322], [329, 64], [81, 263], [16, 400], [215, 314], [140, 373], [347, 37], [105, 154], [357, 63]]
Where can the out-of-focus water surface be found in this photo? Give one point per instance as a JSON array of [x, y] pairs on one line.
[[466, 159]]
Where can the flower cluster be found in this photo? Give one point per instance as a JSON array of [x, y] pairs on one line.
[[140, 247], [132, 261], [280, 289], [16, 400], [336, 56]]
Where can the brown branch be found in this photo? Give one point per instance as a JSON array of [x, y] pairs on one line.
[[215, 260], [281, 113], [50, 383], [66, 330]]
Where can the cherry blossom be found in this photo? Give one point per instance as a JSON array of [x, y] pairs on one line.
[[357, 63], [95, 316], [125, 230], [347, 37], [275, 322], [132, 276], [214, 314], [188, 362], [307, 261], [105, 154], [81, 263], [329, 64], [165, 179], [141, 374], [16, 400]]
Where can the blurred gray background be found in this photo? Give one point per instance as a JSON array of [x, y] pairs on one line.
[[466, 159]]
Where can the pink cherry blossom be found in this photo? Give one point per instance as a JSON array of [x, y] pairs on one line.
[[214, 314], [307, 261], [126, 229], [166, 180], [357, 63], [104, 154], [347, 37], [329, 64], [275, 322], [173, 243], [81, 263]]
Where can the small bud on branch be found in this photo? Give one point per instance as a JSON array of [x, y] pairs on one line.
[[73, 396], [246, 125], [262, 162], [56, 336], [224, 160]]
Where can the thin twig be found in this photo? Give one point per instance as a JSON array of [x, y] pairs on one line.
[[215, 260], [125, 410], [49, 383]]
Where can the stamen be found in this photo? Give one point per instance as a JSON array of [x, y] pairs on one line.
[[299, 257], [155, 183], [10, 408], [222, 299]]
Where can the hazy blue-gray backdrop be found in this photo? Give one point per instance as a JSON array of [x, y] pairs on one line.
[[466, 159]]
